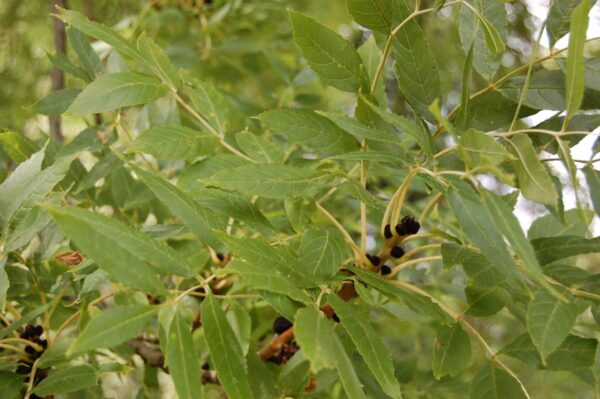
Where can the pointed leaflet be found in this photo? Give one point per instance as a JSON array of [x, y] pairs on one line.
[[371, 348], [117, 90], [493, 382], [87, 56], [480, 228], [362, 131], [259, 148], [323, 348], [113, 326], [69, 379], [157, 61], [28, 184], [575, 62], [57, 102], [182, 358], [593, 180], [211, 103], [559, 18], [225, 351], [17, 146], [485, 29], [549, 321], [306, 127], [415, 67], [173, 142], [451, 351], [322, 252], [193, 215], [126, 254], [476, 148], [481, 271], [100, 32], [551, 249], [11, 384], [372, 14], [534, 181], [271, 181], [333, 58], [279, 261]]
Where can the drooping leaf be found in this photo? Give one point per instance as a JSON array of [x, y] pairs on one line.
[[323, 348], [593, 180], [225, 351], [370, 347], [182, 358], [372, 14], [451, 351], [87, 56], [174, 142], [549, 321], [321, 253], [333, 58], [575, 62], [482, 272], [559, 18], [57, 102], [550, 225], [534, 180], [158, 61], [415, 67], [271, 181], [192, 214], [69, 379], [493, 382], [476, 148], [306, 127], [113, 326], [551, 249], [116, 90], [545, 90]]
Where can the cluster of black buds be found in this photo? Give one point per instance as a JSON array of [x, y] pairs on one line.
[[33, 334], [407, 226]]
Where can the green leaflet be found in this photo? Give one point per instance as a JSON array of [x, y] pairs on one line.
[[182, 358], [10, 384], [116, 90], [113, 326], [482, 272], [361, 131], [493, 382], [333, 58], [370, 347], [225, 350], [372, 14], [157, 61], [451, 351], [593, 180], [323, 348], [87, 56], [174, 142], [211, 104], [306, 127], [476, 148], [271, 181], [259, 148], [551, 249], [575, 62], [322, 253], [559, 18], [67, 380], [534, 180], [57, 102], [415, 67], [549, 321], [17, 146]]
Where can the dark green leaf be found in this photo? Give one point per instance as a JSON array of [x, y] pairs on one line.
[[67, 380], [57, 102], [451, 351], [174, 142], [493, 382]]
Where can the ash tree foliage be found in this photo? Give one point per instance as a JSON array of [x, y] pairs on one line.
[[257, 206]]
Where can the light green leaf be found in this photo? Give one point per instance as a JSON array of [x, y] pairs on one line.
[[322, 252], [57, 102], [4, 283], [372, 14], [575, 63], [126, 254], [333, 58], [10, 384], [17, 146], [272, 181], [67, 380], [100, 32], [480, 270], [182, 358], [281, 303], [559, 18], [225, 351], [451, 351], [534, 181], [173, 142], [158, 61], [29, 184], [415, 66], [211, 104], [87, 56], [371, 348], [480, 228], [113, 327], [324, 349], [493, 382], [306, 127], [545, 90], [294, 375], [277, 261], [362, 131], [549, 321], [298, 211], [116, 90], [241, 324], [193, 215], [484, 27], [593, 180], [551, 249], [259, 148], [476, 148]]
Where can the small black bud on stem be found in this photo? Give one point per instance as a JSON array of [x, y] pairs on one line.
[[281, 324], [374, 260], [411, 225], [401, 229], [385, 270], [397, 252], [335, 318], [387, 232]]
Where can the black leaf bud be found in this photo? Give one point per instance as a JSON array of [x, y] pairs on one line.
[[374, 259], [387, 232], [335, 318], [281, 324], [385, 270], [397, 252], [401, 229]]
